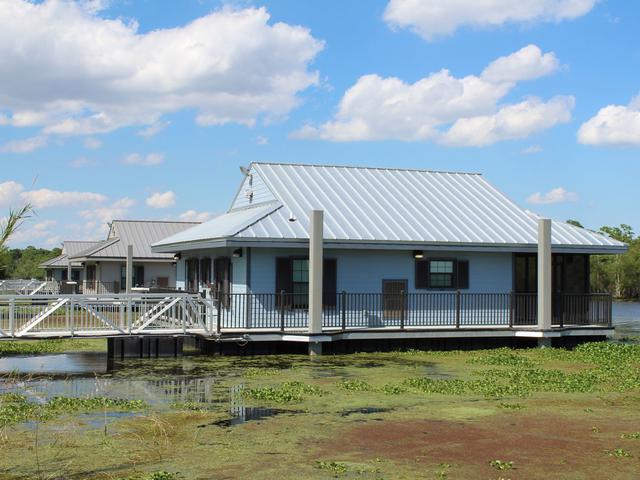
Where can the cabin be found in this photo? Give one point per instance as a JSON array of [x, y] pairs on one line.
[[401, 249], [100, 268], [61, 269]]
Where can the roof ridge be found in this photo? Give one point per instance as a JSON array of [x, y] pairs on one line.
[[400, 169], [153, 221]]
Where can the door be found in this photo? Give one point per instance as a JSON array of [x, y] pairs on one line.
[[222, 272], [394, 298]]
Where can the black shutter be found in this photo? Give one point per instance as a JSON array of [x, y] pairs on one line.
[[422, 274], [463, 274], [329, 282], [284, 277]]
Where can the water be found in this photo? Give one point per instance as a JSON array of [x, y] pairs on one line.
[[626, 318], [213, 383]]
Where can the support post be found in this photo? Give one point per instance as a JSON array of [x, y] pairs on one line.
[[129, 268], [403, 299], [511, 308], [12, 317], [343, 301], [458, 306], [68, 270], [282, 298], [544, 274], [315, 271]]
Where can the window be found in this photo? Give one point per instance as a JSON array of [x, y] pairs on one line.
[[441, 274], [300, 282]]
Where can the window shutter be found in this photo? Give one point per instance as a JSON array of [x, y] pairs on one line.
[[463, 274], [140, 278], [422, 274], [329, 282], [284, 277]]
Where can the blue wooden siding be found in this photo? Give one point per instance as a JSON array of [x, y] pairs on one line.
[[261, 193], [362, 271]]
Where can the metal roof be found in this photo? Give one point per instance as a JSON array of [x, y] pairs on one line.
[[386, 205], [70, 248], [139, 233]]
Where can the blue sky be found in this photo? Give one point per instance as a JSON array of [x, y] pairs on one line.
[[146, 109]]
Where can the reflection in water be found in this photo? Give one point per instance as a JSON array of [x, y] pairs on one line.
[[56, 364], [626, 318]]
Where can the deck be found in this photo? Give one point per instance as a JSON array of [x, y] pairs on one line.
[[284, 317]]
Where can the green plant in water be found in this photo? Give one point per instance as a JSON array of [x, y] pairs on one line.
[[355, 385], [335, 468], [393, 389], [288, 392], [618, 453], [503, 357], [500, 465], [634, 435]]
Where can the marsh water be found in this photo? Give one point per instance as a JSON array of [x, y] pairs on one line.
[[209, 382]]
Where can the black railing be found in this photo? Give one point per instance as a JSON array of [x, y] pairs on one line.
[[400, 310]]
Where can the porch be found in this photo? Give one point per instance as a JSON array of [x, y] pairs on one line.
[[375, 311]]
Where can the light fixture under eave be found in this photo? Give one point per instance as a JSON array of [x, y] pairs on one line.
[[418, 254], [237, 253]]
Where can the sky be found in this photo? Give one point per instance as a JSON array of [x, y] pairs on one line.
[[146, 109]]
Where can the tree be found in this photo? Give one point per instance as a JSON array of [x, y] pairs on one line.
[[8, 227], [575, 223], [618, 274]]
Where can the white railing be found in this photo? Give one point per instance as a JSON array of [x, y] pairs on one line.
[[38, 316], [29, 287]]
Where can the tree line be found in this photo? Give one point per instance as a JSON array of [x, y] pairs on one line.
[[23, 262], [618, 274]]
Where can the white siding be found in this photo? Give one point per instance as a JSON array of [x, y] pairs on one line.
[[261, 193]]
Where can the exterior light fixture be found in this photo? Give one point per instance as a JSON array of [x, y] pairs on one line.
[[418, 254], [177, 257], [237, 253]]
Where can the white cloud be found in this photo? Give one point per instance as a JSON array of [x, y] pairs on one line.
[[613, 125], [510, 122], [377, 108], [433, 18], [9, 193], [525, 64], [68, 70], [82, 162], [92, 143], [195, 216], [531, 149], [262, 140], [161, 200], [44, 198], [145, 160], [24, 145], [153, 130], [99, 217], [557, 195]]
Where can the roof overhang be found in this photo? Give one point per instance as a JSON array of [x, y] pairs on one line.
[[382, 245], [123, 259]]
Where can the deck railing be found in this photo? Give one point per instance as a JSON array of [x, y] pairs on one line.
[[438, 309], [178, 312]]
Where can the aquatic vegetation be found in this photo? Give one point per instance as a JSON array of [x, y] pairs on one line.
[[355, 385], [500, 465], [256, 372], [634, 435], [618, 453], [288, 392], [501, 356], [161, 475], [16, 408], [511, 406], [333, 467], [33, 347], [393, 389]]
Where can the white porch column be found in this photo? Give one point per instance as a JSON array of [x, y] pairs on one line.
[[129, 268], [544, 274], [68, 270], [315, 271]]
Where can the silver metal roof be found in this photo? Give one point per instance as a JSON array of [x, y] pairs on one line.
[[70, 248], [381, 206], [139, 233]]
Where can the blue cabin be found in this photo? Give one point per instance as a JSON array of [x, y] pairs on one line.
[[402, 249]]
